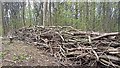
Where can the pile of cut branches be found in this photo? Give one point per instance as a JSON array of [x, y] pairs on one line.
[[71, 46]]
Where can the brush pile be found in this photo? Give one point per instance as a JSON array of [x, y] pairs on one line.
[[71, 46]]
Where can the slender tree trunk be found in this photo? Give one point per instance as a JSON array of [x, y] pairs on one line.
[[103, 19], [50, 13], [119, 16], [87, 14], [24, 14], [44, 13], [29, 7], [1, 18], [76, 10]]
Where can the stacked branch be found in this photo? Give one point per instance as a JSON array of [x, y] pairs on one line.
[[71, 46]]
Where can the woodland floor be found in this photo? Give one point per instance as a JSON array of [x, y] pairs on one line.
[[56, 46], [20, 54]]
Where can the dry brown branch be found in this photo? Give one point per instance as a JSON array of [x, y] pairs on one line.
[[95, 54], [105, 35], [107, 63], [9, 60]]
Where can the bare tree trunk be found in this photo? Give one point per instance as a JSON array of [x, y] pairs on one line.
[[3, 21], [29, 6], [41, 13], [86, 16], [24, 14], [76, 10], [1, 17], [119, 16], [44, 13], [50, 13]]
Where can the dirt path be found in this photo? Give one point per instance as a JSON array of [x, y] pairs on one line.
[[20, 54]]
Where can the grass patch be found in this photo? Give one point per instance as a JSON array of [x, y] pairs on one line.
[[3, 53], [20, 57]]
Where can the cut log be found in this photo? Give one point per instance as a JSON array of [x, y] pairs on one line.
[[105, 35]]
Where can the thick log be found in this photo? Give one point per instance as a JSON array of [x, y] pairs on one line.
[[107, 63], [106, 35], [110, 57]]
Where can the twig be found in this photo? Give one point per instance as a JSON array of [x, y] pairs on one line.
[[95, 54], [60, 36], [89, 39], [10, 60]]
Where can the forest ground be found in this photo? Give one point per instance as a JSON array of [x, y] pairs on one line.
[[20, 54]]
